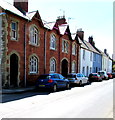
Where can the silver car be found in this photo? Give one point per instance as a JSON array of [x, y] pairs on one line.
[[103, 75], [77, 78]]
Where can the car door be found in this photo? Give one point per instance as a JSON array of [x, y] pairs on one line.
[[57, 80], [79, 77], [62, 80], [84, 79]]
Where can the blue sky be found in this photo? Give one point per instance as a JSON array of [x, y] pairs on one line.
[[95, 17]]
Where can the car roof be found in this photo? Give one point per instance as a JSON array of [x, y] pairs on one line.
[[50, 74]]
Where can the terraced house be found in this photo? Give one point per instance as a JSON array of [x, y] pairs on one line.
[[31, 47]]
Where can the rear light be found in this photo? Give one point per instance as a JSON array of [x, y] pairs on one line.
[[50, 80]]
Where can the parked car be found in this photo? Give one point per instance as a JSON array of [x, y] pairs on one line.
[[109, 75], [113, 75], [94, 77], [77, 78], [103, 74], [52, 82]]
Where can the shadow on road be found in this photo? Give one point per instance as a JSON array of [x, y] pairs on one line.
[[18, 96]]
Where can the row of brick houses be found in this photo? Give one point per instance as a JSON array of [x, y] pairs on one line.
[[32, 47]]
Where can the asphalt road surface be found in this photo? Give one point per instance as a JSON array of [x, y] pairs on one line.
[[90, 101]]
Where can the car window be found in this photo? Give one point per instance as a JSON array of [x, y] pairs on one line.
[[61, 77], [82, 75], [71, 76], [78, 75], [44, 77], [56, 76]]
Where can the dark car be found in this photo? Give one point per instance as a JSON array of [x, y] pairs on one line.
[[109, 75], [94, 77], [113, 75], [52, 82]]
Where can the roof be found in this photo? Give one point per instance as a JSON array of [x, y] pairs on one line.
[[91, 48], [73, 36], [63, 28], [49, 25], [83, 45], [31, 14], [9, 7]]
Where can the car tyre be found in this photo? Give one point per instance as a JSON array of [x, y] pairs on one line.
[[54, 88], [80, 83], [67, 86]]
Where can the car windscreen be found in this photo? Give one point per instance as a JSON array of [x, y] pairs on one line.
[[44, 77], [101, 73], [94, 75]]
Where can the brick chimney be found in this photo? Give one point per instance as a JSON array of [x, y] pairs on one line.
[[61, 20], [91, 40], [105, 51], [80, 34], [21, 5]]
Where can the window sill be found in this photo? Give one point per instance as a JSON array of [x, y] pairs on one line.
[[33, 73], [34, 45]]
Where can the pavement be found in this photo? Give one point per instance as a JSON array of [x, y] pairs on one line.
[[17, 90]]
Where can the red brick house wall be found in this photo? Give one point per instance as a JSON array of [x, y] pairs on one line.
[[20, 53]]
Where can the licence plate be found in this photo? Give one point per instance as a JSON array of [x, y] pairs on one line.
[[41, 85]]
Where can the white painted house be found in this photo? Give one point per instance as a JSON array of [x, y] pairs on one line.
[[86, 58]]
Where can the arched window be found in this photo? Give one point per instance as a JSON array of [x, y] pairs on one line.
[[73, 67], [74, 47], [52, 65], [34, 36], [33, 64], [53, 42]]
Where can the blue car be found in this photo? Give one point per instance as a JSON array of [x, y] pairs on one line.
[[52, 81]]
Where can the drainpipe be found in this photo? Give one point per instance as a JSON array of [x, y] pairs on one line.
[[45, 42], [25, 42], [25, 55]]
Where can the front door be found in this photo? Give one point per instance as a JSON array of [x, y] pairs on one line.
[[64, 67], [14, 70]]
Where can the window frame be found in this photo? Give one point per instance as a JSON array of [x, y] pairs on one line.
[[14, 31], [53, 42], [74, 48], [34, 36], [33, 62], [52, 65], [65, 46]]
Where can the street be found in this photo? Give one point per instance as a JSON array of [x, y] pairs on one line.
[[90, 101]]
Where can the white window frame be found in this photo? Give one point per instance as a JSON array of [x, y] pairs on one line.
[[33, 65], [91, 56], [53, 42], [84, 54], [52, 65], [65, 46], [14, 31], [73, 67], [74, 47], [34, 40]]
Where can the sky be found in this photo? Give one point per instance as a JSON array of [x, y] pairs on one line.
[[95, 17]]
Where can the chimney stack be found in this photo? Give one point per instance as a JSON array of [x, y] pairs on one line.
[[21, 5], [61, 20], [80, 34], [105, 51], [91, 40]]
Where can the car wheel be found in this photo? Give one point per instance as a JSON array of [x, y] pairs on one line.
[[67, 86], [80, 83], [88, 82], [54, 88]]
